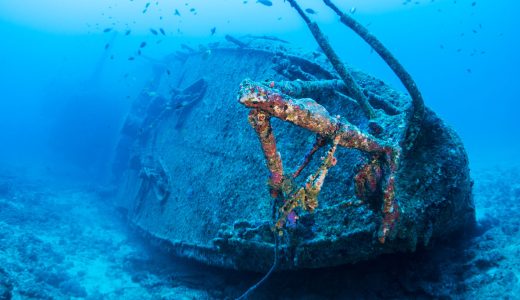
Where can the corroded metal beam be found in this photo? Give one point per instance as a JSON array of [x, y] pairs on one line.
[[266, 101]]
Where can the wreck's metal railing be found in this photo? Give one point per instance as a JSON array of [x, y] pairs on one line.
[[268, 101]]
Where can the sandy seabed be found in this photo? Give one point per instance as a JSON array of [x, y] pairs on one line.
[[68, 242]]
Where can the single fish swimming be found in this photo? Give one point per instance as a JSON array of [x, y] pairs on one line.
[[265, 2]]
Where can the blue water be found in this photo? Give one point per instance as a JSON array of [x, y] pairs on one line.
[[64, 93], [463, 58]]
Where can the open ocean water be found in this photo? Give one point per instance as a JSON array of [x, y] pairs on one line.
[[70, 72]]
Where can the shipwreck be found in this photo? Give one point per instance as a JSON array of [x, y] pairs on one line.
[[247, 152]]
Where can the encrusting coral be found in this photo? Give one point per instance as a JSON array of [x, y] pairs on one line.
[[266, 101]]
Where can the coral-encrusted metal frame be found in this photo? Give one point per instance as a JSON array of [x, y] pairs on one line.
[[266, 101]]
